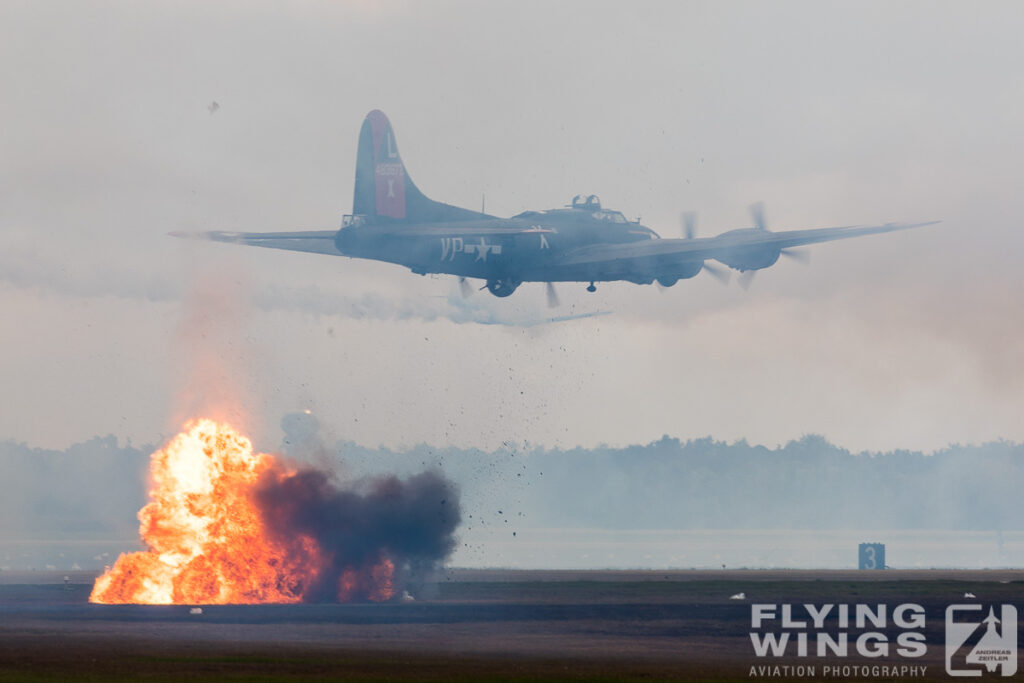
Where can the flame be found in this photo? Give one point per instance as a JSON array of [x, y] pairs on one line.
[[206, 539]]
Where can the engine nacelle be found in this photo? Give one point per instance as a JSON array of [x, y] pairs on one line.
[[681, 273], [751, 260]]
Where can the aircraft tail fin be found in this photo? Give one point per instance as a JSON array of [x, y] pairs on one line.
[[384, 191]]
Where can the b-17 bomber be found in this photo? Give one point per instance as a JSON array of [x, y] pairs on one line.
[[393, 221]]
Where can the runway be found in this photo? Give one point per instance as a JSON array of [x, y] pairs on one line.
[[470, 624]]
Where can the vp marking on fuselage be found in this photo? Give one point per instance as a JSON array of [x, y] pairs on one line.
[[450, 246]]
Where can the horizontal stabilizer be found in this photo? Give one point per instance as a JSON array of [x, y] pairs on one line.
[[314, 241]]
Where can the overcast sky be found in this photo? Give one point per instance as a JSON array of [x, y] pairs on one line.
[[831, 113]]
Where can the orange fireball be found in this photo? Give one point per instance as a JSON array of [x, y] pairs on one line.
[[207, 540]]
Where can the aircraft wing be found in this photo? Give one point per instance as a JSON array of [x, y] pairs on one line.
[[796, 238], [655, 255], [315, 241]]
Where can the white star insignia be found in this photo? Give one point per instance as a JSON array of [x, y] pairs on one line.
[[481, 250]]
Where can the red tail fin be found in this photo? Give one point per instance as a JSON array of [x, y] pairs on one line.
[[384, 189]]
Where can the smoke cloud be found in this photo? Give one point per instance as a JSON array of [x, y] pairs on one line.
[[411, 522], [29, 269]]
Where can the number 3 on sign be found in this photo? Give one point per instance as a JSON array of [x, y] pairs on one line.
[[871, 556]]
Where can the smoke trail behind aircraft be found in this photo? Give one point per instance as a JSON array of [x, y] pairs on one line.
[[26, 271]]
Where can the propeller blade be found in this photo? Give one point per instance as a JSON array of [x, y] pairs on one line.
[[757, 213], [689, 221], [745, 278], [466, 288], [717, 272], [801, 256], [553, 301]]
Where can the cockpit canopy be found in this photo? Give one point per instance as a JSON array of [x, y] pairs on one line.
[[610, 216], [591, 205]]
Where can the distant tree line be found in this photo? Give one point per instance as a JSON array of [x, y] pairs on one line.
[[94, 489], [706, 484]]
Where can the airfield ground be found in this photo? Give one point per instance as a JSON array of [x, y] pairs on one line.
[[471, 625]]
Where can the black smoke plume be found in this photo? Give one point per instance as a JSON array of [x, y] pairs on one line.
[[410, 521]]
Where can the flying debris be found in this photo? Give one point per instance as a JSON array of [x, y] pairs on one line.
[[393, 221]]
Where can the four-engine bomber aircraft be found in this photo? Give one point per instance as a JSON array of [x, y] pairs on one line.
[[393, 221]]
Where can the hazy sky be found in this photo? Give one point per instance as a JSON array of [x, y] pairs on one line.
[[832, 113]]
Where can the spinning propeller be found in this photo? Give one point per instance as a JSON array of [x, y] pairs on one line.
[[689, 222], [798, 255], [553, 301]]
